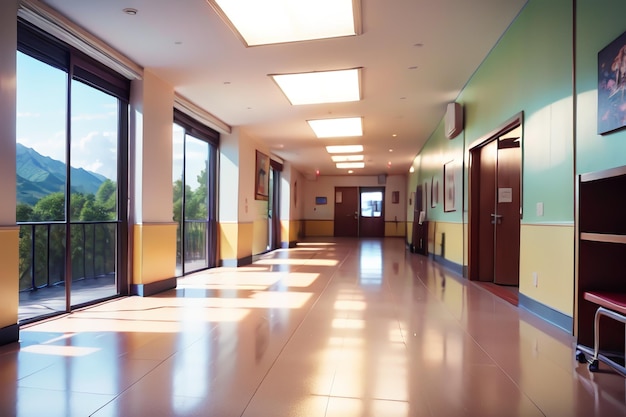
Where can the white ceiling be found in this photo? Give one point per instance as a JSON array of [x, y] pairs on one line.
[[416, 56]]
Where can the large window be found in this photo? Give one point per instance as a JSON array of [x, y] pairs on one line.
[[194, 206], [72, 117]]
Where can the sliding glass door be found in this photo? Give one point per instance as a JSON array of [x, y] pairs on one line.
[[72, 121], [194, 170]]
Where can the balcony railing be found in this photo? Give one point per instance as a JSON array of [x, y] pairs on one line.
[[43, 255]]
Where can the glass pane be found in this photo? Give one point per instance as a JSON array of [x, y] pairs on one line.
[[93, 154], [40, 128], [41, 180], [195, 245], [195, 204], [196, 193], [93, 200], [371, 204], [178, 150]]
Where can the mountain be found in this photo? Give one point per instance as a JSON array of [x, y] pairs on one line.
[[38, 176]]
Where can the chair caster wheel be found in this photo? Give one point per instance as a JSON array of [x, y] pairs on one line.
[[580, 357], [594, 365]]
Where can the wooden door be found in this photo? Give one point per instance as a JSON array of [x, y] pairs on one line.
[[346, 212], [495, 208], [508, 215]]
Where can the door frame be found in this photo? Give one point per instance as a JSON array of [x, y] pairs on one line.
[[473, 187]]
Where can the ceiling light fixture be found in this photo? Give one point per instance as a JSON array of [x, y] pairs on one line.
[[344, 148], [263, 22], [346, 158], [350, 165], [130, 11], [336, 128], [320, 87]]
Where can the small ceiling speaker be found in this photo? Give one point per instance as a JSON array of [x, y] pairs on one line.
[[453, 120]]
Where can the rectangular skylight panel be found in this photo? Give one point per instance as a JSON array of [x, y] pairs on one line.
[[336, 128], [320, 87], [262, 22], [344, 149]]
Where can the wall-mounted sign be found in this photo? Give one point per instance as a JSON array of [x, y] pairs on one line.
[[505, 195]]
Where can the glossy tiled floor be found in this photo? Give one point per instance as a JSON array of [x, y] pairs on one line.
[[330, 328]]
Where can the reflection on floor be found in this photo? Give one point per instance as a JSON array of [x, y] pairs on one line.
[[330, 328]]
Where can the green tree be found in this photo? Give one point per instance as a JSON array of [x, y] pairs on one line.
[[23, 212], [50, 208], [93, 211], [106, 196]]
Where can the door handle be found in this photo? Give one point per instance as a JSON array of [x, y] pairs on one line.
[[356, 215], [496, 218]]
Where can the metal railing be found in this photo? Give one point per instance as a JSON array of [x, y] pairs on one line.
[[43, 257]]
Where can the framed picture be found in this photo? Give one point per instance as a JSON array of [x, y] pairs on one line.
[[262, 177], [612, 86], [434, 192], [395, 197], [320, 200], [448, 187]]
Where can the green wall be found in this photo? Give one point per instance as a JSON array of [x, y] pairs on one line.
[[598, 23], [532, 70], [529, 71]]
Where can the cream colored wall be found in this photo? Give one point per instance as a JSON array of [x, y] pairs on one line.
[[153, 232], [245, 239], [243, 219], [9, 273], [155, 252], [228, 238], [9, 233], [260, 233], [319, 219], [395, 229], [319, 228], [228, 200], [152, 101], [546, 249], [453, 249]]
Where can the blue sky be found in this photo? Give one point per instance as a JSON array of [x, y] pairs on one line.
[[41, 124]]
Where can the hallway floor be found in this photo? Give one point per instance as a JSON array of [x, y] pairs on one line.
[[335, 328]]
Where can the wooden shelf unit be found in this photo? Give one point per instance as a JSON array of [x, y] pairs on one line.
[[601, 256]]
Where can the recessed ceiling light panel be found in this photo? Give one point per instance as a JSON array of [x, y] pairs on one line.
[[350, 165], [344, 148], [337, 128], [263, 22], [346, 158], [320, 87]]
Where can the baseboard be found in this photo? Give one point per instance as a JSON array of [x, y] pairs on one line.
[[146, 290], [9, 334], [453, 266], [548, 314], [234, 263]]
